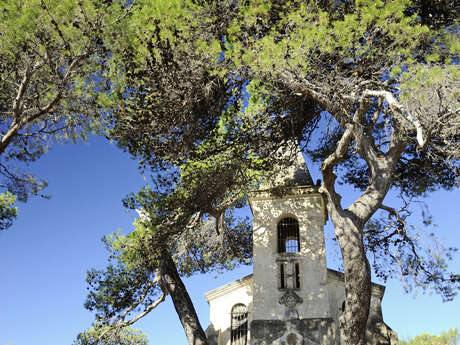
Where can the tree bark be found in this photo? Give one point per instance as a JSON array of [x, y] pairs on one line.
[[182, 303], [349, 223], [357, 277], [348, 229]]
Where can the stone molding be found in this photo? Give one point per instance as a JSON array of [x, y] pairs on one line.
[[313, 331], [333, 277], [290, 299], [225, 289], [284, 193], [289, 193]]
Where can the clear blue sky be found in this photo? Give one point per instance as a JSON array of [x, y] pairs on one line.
[[45, 254]]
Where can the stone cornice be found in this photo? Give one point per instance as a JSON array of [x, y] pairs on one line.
[[225, 289], [333, 276], [288, 193], [283, 192]]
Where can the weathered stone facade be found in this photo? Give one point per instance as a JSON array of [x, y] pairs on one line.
[[293, 332], [291, 298]]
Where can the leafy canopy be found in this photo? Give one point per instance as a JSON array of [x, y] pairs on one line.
[[125, 336], [51, 85], [449, 337]]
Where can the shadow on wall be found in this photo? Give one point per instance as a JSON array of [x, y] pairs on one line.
[[379, 333], [294, 332], [312, 332]]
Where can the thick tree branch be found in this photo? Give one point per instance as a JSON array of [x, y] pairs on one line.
[[327, 167], [304, 88], [182, 303], [422, 138], [380, 165], [21, 91], [364, 142], [17, 105]]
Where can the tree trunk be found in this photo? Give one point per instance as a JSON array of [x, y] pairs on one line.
[[182, 303], [357, 277]]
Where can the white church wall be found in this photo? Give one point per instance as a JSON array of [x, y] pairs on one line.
[[221, 302]]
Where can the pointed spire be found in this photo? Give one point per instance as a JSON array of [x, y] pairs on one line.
[[291, 172]]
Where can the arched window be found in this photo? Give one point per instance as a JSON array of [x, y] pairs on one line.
[[288, 236], [239, 325]]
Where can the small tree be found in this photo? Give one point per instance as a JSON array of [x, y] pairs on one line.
[[449, 337], [125, 336], [167, 243]]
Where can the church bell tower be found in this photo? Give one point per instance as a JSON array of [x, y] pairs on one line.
[[291, 298], [290, 291]]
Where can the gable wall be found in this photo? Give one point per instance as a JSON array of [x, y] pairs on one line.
[[221, 303]]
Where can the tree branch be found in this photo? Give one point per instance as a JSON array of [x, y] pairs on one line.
[[306, 89], [126, 11], [57, 98], [380, 166], [327, 167], [20, 120], [121, 324], [21, 91], [396, 106]]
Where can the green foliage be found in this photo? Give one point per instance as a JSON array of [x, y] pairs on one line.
[[116, 288], [40, 41], [158, 56], [304, 33], [206, 95], [124, 336], [449, 337], [130, 281], [50, 81], [170, 222], [8, 212]]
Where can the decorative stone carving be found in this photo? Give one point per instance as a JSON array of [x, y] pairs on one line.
[[290, 337], [290, 299]]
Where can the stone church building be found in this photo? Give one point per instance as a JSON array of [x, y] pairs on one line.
[[292, 298]]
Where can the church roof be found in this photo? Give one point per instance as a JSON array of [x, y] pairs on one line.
[[292, 171]]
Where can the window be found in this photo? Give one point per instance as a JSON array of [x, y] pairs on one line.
[[239, 325], [282, 276], [289, 276], [288, 236], [297, 275]]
